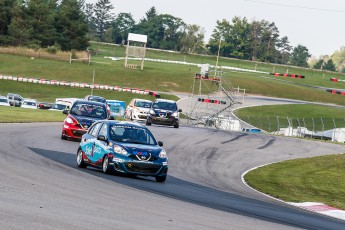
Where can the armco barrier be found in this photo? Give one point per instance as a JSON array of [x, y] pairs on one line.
[[287, 75], [80, 85]]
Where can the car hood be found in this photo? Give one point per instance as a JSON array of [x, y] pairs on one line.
[[139, 149], [85, 122]]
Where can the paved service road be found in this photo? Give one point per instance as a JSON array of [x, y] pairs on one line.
[[41, 187]]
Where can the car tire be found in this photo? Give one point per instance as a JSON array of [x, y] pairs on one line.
[[176, 125], [80, 162], [106, 167], [63, 137], [161, 178], [148, 122], [131, 116]]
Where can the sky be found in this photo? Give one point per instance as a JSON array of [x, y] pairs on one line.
[[316, 24]]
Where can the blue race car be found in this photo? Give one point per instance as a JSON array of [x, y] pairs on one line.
[[123, 147]]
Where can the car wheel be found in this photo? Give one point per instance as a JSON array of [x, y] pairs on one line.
[[63, 137], [131, 116], [106, 166], [80, 161], [148, 122], [161, 178], [176, 125]]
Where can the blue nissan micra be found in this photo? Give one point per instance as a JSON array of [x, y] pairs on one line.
[[123, 147]]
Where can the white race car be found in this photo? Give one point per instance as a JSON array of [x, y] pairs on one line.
[[138, 109]]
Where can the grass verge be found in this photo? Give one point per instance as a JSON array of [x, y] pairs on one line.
[[317, 179]]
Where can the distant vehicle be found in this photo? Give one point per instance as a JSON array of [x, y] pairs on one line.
[[44, 105], [95, 98], [58, 107], [138, 109], [81, 116], [4, 101], [68, 101], [15, 99], [117, 108], [164, 112], [29, 104], [123, 147]]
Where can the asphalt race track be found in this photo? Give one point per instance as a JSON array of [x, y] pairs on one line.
[[42, 188]]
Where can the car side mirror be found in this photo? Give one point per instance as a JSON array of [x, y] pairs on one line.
[[180, 110], [160, 143], [101, 138], [111, 117], [65, 111]]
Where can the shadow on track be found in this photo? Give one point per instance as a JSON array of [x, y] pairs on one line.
[[208, 197]]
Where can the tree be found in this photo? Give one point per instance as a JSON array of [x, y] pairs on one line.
[[299, 56], [72, 25], [338, 58], [329, 65], [121, 26], [19, 30], [6, 14], [318, 64], [192, 39], [164, 31], [41, 15], [89, 16], [102, 17], [284, 48]]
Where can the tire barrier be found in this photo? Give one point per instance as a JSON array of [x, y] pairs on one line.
[[334, 79], [287, 75], [334, 91], [80, 85], [211, 101]]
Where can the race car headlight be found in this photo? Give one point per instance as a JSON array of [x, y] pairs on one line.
[[120, 150], [163, 154], [152, 112], [174, 114], [69, 120]]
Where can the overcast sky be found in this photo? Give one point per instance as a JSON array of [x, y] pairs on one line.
[[316, 24]]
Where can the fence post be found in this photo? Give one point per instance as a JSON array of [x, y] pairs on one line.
[[322, 128]]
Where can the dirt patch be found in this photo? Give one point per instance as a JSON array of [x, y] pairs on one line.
[[169, 84]]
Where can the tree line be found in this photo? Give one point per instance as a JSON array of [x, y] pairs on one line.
[[71, 24]]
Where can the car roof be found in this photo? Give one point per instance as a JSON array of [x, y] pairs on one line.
[[89, 102], [3, 97], [30, 100], [165, 100], [140, 99], [126, 123]]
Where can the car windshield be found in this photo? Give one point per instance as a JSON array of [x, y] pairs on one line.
[[143, 104], [165, 105], [59, 106], [3, 100], [89, 110], [29, 103], [131, 134]]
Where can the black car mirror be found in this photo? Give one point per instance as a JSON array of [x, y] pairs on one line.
[[111, 118], [180, 110], [160, 143], [65, 111], [101, 138]]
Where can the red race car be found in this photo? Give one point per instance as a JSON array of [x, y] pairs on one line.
[[81, 116]]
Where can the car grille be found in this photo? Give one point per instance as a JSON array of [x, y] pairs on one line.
[[135, 158], [142, 168], [78, 133]]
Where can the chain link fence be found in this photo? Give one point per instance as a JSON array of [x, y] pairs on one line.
[[318, 128]]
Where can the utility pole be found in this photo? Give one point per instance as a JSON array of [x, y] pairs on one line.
[[93, 80]]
